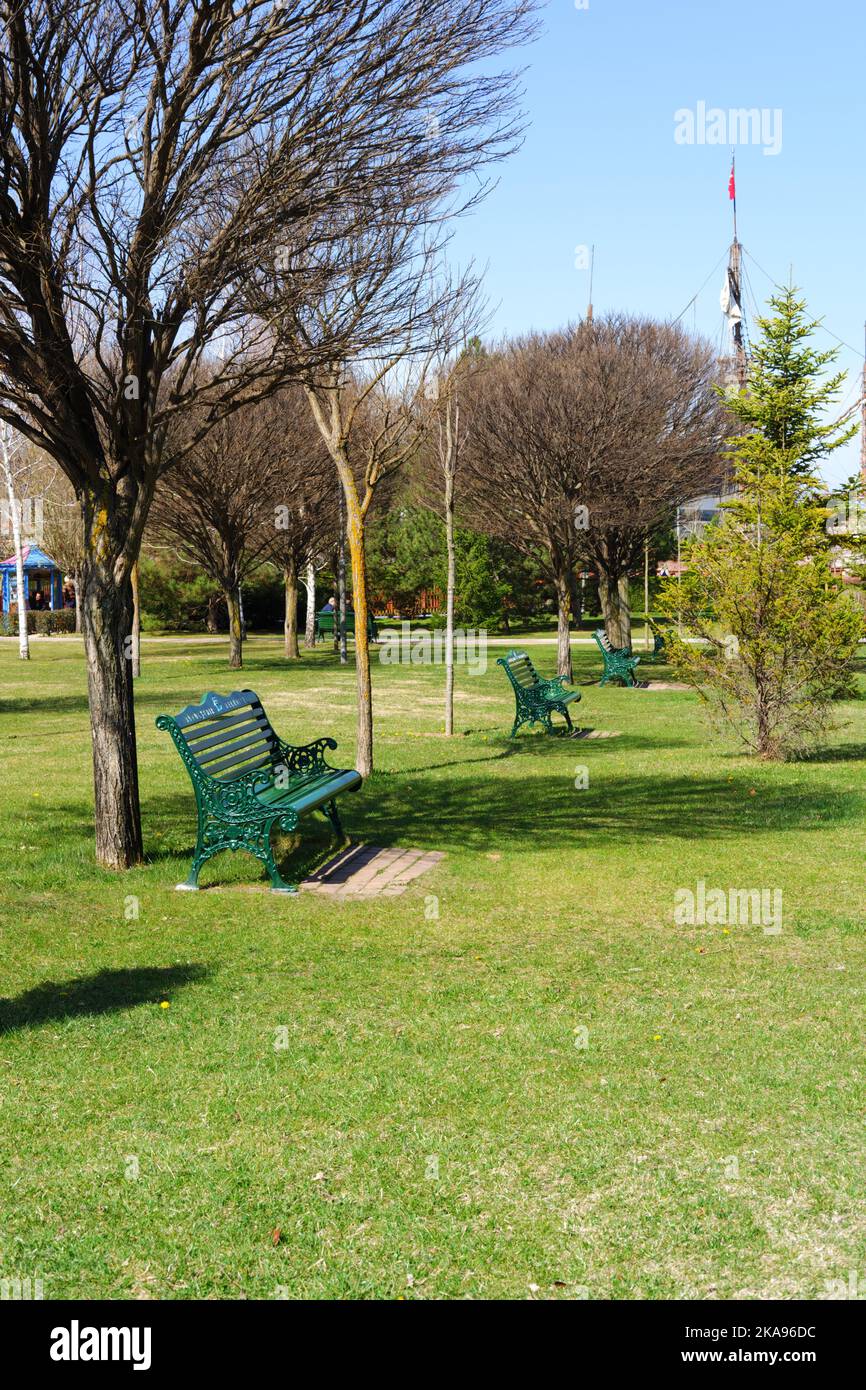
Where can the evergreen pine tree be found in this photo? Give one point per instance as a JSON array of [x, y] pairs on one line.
[[778, 633]]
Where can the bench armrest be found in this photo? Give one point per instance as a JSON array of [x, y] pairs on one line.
[[556, 686], [237, 802], [306, 757]]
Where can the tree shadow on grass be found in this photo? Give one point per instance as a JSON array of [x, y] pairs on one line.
[[436, 810], [547, 812], [108, 991], [835, 753], [41, 705]]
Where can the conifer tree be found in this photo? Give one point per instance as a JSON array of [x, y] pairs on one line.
[[777, 633]]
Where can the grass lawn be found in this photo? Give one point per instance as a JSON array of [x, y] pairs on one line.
[[433, 1127]]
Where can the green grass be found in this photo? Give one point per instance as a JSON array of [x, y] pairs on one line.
[[416, 1042]]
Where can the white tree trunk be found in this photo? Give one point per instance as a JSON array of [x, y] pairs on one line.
[[5, 453], [310, 586], [448, 465]]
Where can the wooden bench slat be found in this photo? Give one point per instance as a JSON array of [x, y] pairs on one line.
[[256, 739], [244, 762], [218, 733], [234, 775], [297, 786]]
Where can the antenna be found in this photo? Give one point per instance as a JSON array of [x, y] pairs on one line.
[[591, 278]]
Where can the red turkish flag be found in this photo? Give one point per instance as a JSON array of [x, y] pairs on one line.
[[732, 186]]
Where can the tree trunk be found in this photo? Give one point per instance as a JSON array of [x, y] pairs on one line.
[[236, 656], [357, 550], [340, 615], [136, 623], [310, 586], [107, 612], [213, 604], [575, 593], [563, 633], [23, 635], [449, 602], [610, 597], [290, 625], [77, 584], [624, 611], [243, 620]]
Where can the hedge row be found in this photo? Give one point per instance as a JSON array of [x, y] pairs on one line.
[[45, 622]]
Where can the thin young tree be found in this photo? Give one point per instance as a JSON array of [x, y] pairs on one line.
[[11, 452], [308, 580], [157, 164], [371, 427], [447, 436]]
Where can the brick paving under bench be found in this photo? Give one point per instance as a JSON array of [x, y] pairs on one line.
[[366, 871]]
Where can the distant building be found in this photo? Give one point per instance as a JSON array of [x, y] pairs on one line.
[[41, 576]]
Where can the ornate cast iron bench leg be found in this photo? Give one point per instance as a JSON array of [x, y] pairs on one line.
[[329, 810], [278, 883]]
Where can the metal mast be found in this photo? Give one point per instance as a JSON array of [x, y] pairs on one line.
[[735, 290]]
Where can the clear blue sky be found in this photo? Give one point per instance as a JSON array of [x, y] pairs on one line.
[[600, 165]]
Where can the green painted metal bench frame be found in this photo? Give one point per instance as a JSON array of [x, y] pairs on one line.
[[247, 780], [536, 698], [619, 664], [325, 626], [659, 638]]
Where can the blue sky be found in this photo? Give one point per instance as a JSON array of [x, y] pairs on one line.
[[600, 165]]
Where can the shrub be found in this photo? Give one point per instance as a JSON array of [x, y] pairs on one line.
[[46, 622]]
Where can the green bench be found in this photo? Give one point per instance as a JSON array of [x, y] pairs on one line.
[[659, 639], [247, 780], [619, 664], [325, 626], [536, 698]]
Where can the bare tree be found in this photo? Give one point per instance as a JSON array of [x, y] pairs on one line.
[[656, 384], [215, 505], [581, 443], [532, 444], [309, 582], [444, 447], [303, 501], [371, 428], [156, 161], [64, 535]]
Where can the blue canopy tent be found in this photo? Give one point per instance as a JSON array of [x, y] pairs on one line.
[[40, 574]]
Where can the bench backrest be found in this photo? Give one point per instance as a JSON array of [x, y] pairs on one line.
[[520, 669], [603, 640], [226, 735], [328, 621]]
